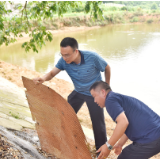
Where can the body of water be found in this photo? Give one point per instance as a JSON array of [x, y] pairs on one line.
[[132, 51]]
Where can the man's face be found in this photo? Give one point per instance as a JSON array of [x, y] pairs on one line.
[[99, 96], [69, 54]]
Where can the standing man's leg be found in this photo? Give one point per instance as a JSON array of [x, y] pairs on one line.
[[98, 123], [75, 100]]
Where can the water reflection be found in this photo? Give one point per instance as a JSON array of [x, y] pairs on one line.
[[132, 51]]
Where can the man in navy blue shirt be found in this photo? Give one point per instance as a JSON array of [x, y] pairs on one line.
[[135, 121], [84, 68]]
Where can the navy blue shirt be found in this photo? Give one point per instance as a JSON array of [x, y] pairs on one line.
[[144, 123], [86, 73]]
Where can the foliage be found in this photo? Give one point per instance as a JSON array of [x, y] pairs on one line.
[[79, 8], [12, 26]]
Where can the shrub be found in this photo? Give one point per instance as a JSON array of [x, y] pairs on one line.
[[112, 18], [134, 19], [138, 14], [113, 8], [142, 20], [131, 9], [149, 20], [77, 24], [154, 6], [80, 8], [55, 25], [139, 9], [89, 24], [153, 11], [124, 8], [67, 22]]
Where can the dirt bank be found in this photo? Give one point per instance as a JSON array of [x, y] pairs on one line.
[[80, 23], [58, 31]]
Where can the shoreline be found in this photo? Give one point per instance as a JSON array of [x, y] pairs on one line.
[[81, 28]]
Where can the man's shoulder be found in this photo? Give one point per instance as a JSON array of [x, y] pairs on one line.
[[113, 96], [61, 60]]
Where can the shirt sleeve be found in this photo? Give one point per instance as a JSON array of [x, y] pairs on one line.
[[114, 109], [100, 63], [60, 64]]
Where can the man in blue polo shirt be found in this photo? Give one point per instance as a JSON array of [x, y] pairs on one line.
[[84, 68], [135, 121]]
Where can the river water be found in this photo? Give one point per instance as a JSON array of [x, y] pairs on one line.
[[132, 51]]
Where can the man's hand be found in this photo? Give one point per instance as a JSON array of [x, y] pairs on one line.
[[47, 76], [118, 149], [38, 80], [104, 152]]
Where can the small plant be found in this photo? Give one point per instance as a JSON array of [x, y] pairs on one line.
[[14, 115]]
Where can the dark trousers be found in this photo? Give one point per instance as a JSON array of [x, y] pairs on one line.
[[76, 100], [140, 151]]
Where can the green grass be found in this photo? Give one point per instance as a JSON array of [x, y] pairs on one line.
[[111, 15], [14, 115]]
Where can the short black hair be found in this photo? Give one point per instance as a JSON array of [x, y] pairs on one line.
[[101, 84], [69, 41]]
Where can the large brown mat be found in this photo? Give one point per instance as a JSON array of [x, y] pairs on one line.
[[57, 125]]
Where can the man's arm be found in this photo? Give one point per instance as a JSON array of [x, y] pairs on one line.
[[107, 74], [122, 124], [47, 76], [123, 140], [118, 147]]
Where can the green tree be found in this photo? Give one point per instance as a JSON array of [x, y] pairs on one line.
[[11, 26], [154, 6]]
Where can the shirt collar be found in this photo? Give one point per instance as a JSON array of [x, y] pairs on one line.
[[82, 57], [108, 94]]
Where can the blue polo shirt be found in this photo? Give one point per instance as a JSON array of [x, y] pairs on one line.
[[144, 123], [86, 73]]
